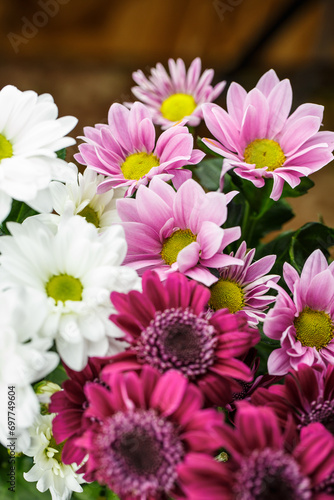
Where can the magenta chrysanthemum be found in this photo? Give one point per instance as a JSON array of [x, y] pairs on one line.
[[178, 96], [263, 463], [70, 404], [259, 139], [177, 231], [304, 323], [307, 395], [143, 428], [242, 289], [167, 328], [127, 153]]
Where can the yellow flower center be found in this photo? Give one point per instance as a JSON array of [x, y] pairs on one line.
[[6, 148], [137, 165], [314, 328], [226, 294], [63, 287], [264, 153], [90, 215], [175, 243], [177, 106]]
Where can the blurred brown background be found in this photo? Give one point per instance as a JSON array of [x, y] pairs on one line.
[[83, 53]]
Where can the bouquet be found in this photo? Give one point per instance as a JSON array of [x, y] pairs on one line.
[[153, 344]]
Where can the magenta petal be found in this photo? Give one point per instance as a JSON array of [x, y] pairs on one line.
[[66, 424], [99, 399], [278, 362], [168, 392], [320, 292]]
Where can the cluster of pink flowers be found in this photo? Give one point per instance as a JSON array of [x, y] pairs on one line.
[[182, 409]]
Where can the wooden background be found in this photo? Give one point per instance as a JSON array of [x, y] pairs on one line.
[[84, 51]]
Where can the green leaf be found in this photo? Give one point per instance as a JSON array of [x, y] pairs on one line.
[[280, 246], [208, 173], [19, 212], [308, 238], [61, 154], [278, 214], [302, 188]]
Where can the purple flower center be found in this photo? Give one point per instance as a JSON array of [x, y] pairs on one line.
[[179, 339], [137, 454], [320, 411], [271, 475]]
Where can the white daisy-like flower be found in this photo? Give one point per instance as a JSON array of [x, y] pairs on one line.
[[79, 197], [30, 135], [74, 268], [23, 360], [48, 469]]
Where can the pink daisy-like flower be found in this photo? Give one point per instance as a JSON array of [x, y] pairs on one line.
[[304, 324], [177, 231], [242, 289], [263, 463], [259, 139], [127, 153], [145, 427], [178, 96], [307, 395], [70, 404], [166, 328]]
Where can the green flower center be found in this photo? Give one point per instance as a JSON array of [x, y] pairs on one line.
[[54, 450], [90, 215], [137, 165], [314, 328], [64, 287], [226, 294], [175, 243], [177, 106], [6, 148], [264, 153]]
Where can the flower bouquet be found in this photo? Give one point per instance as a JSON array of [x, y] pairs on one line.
[[153, 344]]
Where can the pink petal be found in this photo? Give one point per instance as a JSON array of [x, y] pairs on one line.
[[279, 101], [188, 257]]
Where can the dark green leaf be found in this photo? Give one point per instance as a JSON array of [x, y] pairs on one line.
[[302, 188], [19, 212], [208, 173], [308, 238], [61, 154]]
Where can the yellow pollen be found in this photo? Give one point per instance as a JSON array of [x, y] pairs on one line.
[[137, 165], [226, 294], [63, 287], [264, 153], [90, 215], [6, 148], [175, 243], [314, 328], [177, 106]]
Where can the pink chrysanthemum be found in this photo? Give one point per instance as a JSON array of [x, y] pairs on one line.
[[263, 463], [144, 427], [166, 328], [305, 323], [177, 231], [126, 151], [307, 395], [70, 404], [242, 289], [178, 96], [258, 139]]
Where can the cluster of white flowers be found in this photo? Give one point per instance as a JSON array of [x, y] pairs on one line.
[[57, 271]]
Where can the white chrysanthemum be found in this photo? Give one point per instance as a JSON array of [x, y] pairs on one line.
[[75, 268], [80, 197], [30, 135], [23, 361], [48, 469]]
